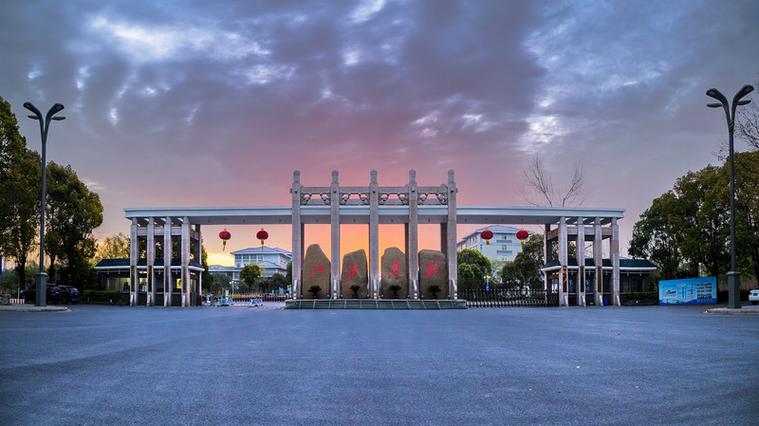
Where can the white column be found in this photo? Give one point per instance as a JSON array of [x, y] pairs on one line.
[[563, 254], [199, 259], [580, 280], [451, 255], [374, 278], [200, 285], [151, 262], [297, 235], [167, 281], [598, 261], [334, 204], [413, 236], [614, 255], [134, 252], [546, 257], [185, 258]]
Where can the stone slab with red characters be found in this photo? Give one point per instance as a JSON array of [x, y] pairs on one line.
[[354, 274], [394, 272], [433, 271], [316, 273]]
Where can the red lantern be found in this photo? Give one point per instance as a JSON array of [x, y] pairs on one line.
[[262, 235], [522, 235], [486, 235], [224, 235]]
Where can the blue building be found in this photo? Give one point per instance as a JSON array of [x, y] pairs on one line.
[[504, 246], [271, 260]]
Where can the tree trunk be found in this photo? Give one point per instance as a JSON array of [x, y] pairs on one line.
[[755, 261]]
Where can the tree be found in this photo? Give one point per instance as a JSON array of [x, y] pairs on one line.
[[19, 192], [112, 247], [73, 212], [541, 191], [249, 275], [289, 276], [525, 269], [747, 124], [218, 283], [747, 208], [472, 268], [278, 281], [656, 238]]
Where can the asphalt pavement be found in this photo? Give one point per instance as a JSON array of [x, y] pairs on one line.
[[635, 365]]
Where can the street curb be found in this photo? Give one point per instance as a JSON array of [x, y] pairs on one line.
[[730, 311], [24, 308]]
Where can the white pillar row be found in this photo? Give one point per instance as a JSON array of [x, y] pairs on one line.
[[374, 275], [598, 262], [185, 259], [413, 235], [563, 255], [451, 234], [546, 258], [614, 255], [134, 251], [167, 281], [580, 277], [297, 235], [334, 197], [150, 252]]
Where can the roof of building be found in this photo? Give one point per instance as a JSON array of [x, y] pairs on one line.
[[123, 262], [624, 263], [496, 229], [263, 250]]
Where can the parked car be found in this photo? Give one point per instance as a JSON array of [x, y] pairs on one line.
[[69, 294], [753, 296], [53, 294]]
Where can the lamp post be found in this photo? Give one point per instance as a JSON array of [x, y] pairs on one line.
[[41, 293], [733, 277]]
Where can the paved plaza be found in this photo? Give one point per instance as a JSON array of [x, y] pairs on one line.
[[120, 365]]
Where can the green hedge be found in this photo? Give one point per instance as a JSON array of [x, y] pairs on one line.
[[640, 298]]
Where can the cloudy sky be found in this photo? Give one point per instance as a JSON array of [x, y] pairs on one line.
[[215, 103]]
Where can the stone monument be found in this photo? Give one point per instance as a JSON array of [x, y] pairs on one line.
[[354, 274], [394, 273], [433, 274], [316, 273]]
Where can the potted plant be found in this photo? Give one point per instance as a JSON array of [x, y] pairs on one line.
[[434, 289], [355, 288], [395, 288], [314, 290]]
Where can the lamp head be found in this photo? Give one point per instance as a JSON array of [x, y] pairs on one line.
[[714, 105], [744, 102], [716, 94], [55, 109], [745, 90], [33, 109]]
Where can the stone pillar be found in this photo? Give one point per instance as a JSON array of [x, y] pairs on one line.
[[614, 255], [168, 283], [297, 235], [151, 262], [413, 236], [334, 204], [134, 252], [451, 234], [546, 258], [374, 276], [580, 280], [185, 258], [598, 261], [199, 259], [563, 254]]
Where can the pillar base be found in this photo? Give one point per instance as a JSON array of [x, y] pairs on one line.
[[40, 298], [734, 289]]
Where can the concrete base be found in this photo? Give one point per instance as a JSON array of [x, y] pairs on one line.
[[745, 310], [734, 289], [399, 304]]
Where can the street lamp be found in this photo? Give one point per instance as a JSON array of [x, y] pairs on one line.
[[733, 277], [41, 293]]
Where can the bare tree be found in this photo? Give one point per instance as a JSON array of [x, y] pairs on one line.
[[748, 123], [539, 184]]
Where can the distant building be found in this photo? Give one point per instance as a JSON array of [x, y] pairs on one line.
[[503, 246], [271, 260]]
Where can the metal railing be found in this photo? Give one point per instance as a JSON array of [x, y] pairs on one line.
[[240, 297], [503, 297]]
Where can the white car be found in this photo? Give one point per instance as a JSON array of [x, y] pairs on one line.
[[753, 296]]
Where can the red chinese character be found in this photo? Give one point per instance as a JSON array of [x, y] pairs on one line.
[[396, 271], [353, 270], [431, 269]]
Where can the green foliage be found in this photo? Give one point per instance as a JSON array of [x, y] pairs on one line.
[[434, 289], [472, 268], [395, 288], [278, 280], [525, 269], [113, 247], [314, 290], [355, 289], [218, 283], [289, 276], [19, 192], [249, 276]]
